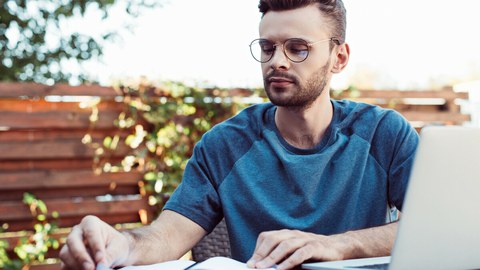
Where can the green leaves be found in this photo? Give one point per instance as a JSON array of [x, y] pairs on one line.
[[33, 248], [165, 122], [37, 207], [111, 142], [25, 27], [150, 176]]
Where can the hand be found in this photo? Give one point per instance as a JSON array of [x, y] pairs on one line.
[[92, 242], [289, 248]]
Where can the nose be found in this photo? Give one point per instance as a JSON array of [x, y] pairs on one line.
[[279, 59]]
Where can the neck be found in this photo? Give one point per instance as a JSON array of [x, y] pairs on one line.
[[305, 127]]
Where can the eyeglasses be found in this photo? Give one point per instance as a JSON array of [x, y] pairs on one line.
[[295, 49]]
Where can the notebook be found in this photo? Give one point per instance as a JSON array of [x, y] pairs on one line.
[[214, 263], [440, 221]]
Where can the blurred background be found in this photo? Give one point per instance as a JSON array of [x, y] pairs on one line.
[[408, 44], [102, 101]]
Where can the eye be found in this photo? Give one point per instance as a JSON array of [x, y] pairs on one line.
[[266, 47], [297, 48]]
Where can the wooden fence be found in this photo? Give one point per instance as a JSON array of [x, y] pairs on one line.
[[435, 107], [41, 151]]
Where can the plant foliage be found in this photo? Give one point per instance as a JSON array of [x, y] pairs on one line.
[[164, 123], [34, 41], [32, 248]]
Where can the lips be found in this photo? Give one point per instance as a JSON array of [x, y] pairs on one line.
[[280, 81]]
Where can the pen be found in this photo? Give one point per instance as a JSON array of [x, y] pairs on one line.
[[191, 266]]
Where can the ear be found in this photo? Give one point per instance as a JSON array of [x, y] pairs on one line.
[[341, 58]]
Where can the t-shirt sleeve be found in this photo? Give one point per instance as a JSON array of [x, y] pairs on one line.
[[213, 158], [196, 197], [402, 139]]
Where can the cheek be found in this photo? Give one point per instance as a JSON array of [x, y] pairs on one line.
[[312, 69], [304, 73], [265, 67]]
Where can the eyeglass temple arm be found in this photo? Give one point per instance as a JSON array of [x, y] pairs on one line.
[[333, 39]]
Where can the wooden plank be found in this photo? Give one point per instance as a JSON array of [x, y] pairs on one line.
[[392, 94], [60, 149], [58, 164], [40, 105], [35, 114], [57, 120], [84, 192], [65, 222], [10, 136], [406, 107], [50, 266], [432, 117], [77, 207], [45, 150], [32, 90], [15, 89], [53, 179], [68, 120], [417, 102], [416, 108]]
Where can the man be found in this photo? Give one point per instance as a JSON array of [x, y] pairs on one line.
[[304, 178]]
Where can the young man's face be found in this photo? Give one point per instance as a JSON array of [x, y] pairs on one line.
[[297, 84]]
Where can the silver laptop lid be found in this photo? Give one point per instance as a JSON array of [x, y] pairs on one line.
[[440, 221]]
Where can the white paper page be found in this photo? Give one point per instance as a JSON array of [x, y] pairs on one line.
[[171, 265], [222, 263]]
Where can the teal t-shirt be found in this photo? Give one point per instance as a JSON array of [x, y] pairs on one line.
[[244, 171]]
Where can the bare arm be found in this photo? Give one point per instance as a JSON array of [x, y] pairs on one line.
[[289, 248], [167, 238], [93, 241]]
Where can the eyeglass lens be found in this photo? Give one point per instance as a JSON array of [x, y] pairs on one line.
[[295, 49]]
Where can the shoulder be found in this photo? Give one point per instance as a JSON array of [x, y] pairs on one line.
[[386, 131], [237, 133], [358, 111], [368, 120], [248, 122]]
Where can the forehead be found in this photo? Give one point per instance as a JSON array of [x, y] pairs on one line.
[[307, 22]]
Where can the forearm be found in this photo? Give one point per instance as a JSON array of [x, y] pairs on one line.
[[167, 238], [371, 242], [147, 246]]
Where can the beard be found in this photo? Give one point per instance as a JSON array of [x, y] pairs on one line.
[[303, 95]]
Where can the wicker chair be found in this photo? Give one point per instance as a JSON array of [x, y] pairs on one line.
[[216, 243]]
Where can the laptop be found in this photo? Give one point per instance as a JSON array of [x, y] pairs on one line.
[[440, 221]]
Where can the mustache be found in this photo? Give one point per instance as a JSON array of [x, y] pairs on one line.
[[281, 74]]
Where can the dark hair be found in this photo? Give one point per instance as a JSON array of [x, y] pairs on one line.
[[334, 10]]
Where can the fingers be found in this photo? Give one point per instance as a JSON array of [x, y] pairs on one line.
[[316, 247], [264, 245], [281, 251], [272, 247], [74, 253], [299, 256], [85, 245], [69, 262], [95, 239], [287, 249]]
